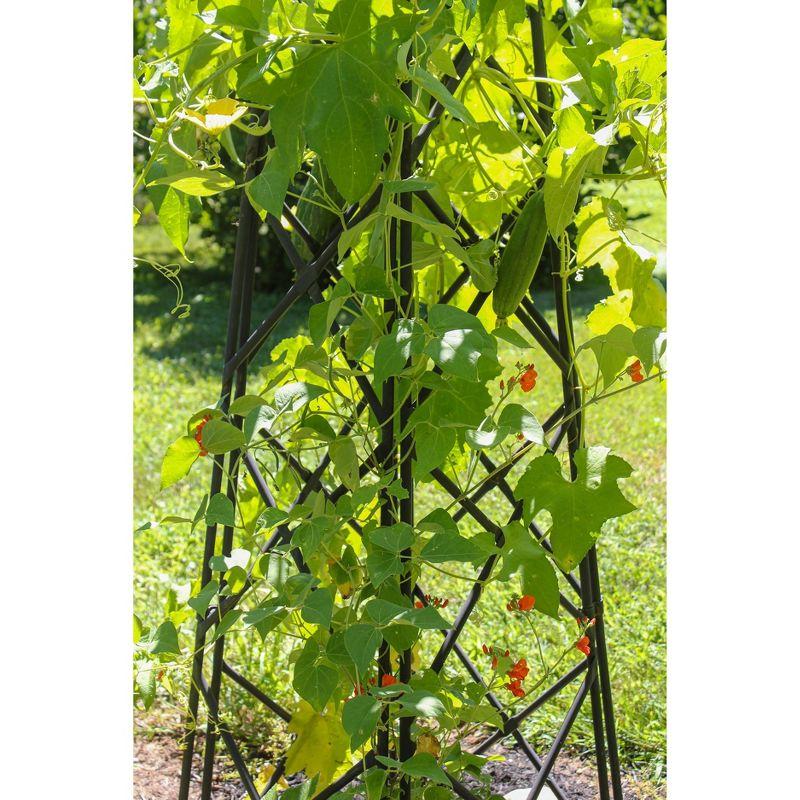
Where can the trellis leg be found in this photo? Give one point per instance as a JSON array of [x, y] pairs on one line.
[[407, 443], [387, 517], [241, 285], [605, 678], [572, 401]]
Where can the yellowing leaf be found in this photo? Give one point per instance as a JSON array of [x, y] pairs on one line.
[[320, 746]]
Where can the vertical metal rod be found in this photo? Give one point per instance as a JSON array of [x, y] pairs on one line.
[[572, 402], [244, 263], [406, 746], [605, 678], [562, 734], [389, 447], [238, 281]]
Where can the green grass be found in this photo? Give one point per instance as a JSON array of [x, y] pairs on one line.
[[177, 365]]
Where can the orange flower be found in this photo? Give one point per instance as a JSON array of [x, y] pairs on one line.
[[635, 371], [419, 604], [526, 602], [515, 687], [519, 671], [583, 645], [388, 680], [198, 434], [528, 379]]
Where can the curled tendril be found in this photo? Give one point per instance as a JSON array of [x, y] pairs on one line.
[[170, 271]]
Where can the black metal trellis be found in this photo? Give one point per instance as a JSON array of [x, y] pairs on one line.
[[395, 457]]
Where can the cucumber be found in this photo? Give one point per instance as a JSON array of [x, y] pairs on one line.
[[520, 258]]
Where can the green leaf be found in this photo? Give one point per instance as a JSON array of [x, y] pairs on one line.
[[178, 460], [374, 781], [461, 345], [345, 461], [221, 437], [423, 765], [382, 564], [340, 94], [293, 396], [361, 642], [517, 419], [396, 348], [203, 598], [318, 607], [524, 556], [220, 511], [563, 181], [197, 182], [172, 209], [360, 718], [165, 640], [578, 508], [409, 185], [449, 546], [146, 682], [315, 683], [227, 622], [421, 703], [243, 405], [394, 538], [438, 442], [439, 91]]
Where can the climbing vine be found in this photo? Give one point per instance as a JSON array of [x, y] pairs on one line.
[[494, 102]]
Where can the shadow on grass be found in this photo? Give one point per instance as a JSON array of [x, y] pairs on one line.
[[199, 339]]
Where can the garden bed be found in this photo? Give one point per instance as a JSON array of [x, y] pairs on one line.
[[156, 772]]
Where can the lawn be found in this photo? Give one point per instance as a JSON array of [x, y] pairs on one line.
[[177, 363]]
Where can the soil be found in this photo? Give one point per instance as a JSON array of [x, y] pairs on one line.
[[157, 766]]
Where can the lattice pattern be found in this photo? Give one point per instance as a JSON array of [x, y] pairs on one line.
[[242, 345]]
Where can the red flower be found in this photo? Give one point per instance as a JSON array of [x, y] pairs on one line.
[[198, 434], [388, 680], [502, 385], [519, 671], [526, 602], [515, 687], [583, 645], [486, 649], [418, 604], [635, 371], [528, 379]]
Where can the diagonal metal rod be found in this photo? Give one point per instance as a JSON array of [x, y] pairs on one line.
[[252, 689], [558, 742], [474, 673], [212, 702], [517, 719]]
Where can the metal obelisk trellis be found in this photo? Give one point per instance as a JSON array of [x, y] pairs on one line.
[[396, 457]]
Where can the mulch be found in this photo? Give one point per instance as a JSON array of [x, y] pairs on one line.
[[157, 765]]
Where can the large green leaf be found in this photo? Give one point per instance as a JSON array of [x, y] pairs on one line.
[[578, 508], [340, 94], [178, 460]]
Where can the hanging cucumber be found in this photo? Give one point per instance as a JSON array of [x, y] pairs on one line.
[[520, 258]]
